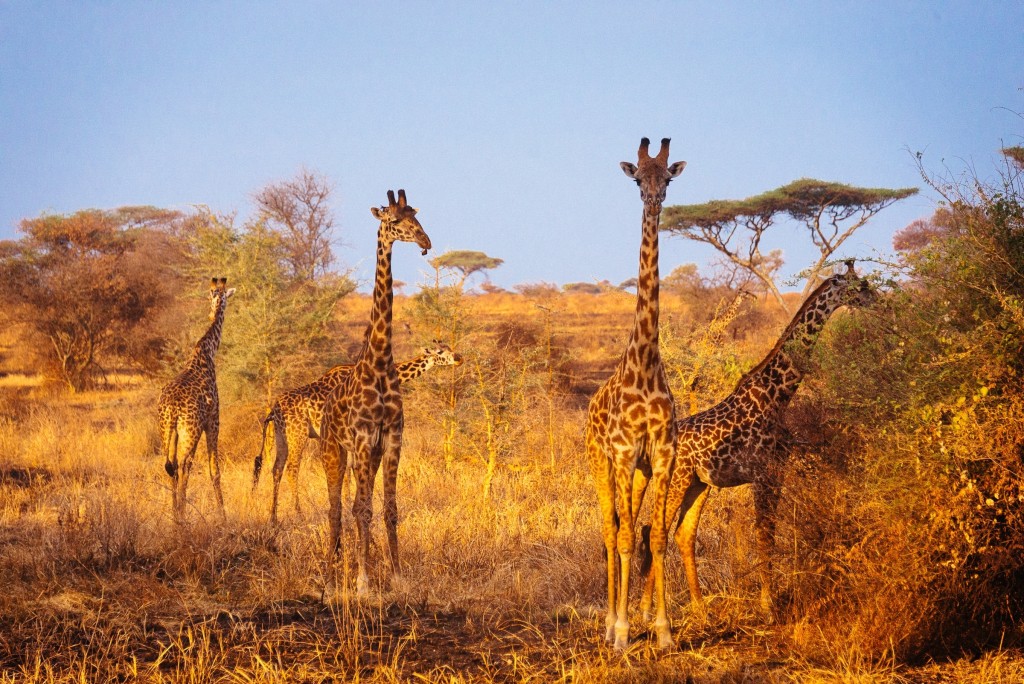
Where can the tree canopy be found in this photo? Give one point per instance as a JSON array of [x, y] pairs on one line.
[[465, 261], [830, 212], [86, 286], [801, 199], [299, 210], [1015, 154], [279, 322]]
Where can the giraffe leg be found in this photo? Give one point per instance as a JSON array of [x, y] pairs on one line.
[[695, 497], [282, 450], [675, 501], [601, 471], [392, 452], [214, 456], [641, 478], [169, 430], [766, 497], [346, 485], [624, 542], [362, 510], [296, 449], [335, 462], [662, 458], [288, 458], [191, 443]]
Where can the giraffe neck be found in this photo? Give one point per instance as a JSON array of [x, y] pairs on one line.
[[413, 368], [778, 368], [208, 344], [645, 322], [378, 333]]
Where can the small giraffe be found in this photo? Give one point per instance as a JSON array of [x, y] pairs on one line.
[[740, 440], [363, 417], [189, 406], [631, 420], [297, 414]]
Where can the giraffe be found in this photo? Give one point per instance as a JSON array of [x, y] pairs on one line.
[[740, 441], [363, 416], [189, 406], [297, 414], [630, 428]]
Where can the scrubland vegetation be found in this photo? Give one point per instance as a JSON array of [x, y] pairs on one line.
[[900, 544]]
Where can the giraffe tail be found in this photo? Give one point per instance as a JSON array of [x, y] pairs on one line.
[[257, 463], [170, 445]]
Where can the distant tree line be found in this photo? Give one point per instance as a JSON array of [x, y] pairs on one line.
[[99, 290]]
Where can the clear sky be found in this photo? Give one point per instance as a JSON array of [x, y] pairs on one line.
[[504, 122]]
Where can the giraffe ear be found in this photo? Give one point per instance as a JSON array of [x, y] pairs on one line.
[[377, 213], [230, 291], [676, 169], [628, 169]]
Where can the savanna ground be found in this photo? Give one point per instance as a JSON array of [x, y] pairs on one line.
[[100, 584]]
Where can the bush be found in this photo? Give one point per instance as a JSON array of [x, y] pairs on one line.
[[908, 526]]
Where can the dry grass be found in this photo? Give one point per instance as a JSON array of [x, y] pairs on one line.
[[100, 585]]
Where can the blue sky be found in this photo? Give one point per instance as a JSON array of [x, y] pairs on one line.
[[504, 122]]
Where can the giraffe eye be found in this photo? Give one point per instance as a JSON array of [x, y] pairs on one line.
[[638, 182]]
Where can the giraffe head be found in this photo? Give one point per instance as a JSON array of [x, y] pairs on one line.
[[219, 295], [398, 222], [442, 355], [851, 289], [653, 174]]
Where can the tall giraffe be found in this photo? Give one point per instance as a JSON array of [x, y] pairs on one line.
[[189, 406], [739, 440], [363, 416], [631, 420], [297, 415]]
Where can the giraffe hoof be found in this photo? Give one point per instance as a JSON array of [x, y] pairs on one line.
[[664, 633], [621, 637]]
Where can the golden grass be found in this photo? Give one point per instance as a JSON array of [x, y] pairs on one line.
[[100, 585]]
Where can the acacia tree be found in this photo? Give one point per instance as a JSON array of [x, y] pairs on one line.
[[299, 210], [1015, 155], [466, 262], [830, 212], [87, 285]]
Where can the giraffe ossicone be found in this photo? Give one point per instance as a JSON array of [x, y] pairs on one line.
[[630, 433]]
